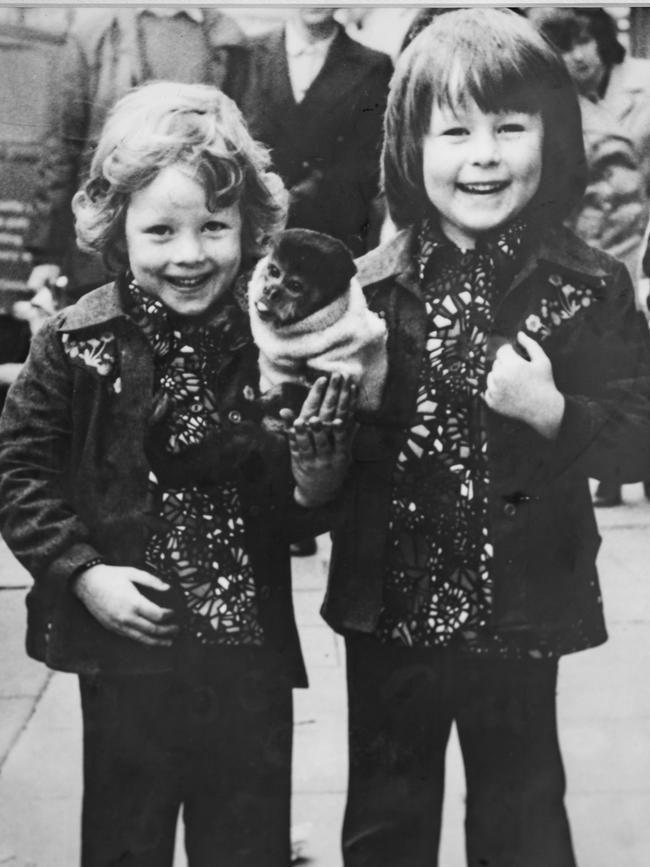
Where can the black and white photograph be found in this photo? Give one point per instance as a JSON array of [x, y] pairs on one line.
[[324, 435]]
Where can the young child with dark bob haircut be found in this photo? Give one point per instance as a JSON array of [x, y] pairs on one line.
[[162, 579], [463, 566]]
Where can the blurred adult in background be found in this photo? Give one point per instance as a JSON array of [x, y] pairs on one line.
[[108, 52], [615, 104], [602, 69], [316, 97], [378, 27]]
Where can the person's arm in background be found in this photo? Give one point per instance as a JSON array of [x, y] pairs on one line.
[[615, 208], [58, 169], [230, 54]]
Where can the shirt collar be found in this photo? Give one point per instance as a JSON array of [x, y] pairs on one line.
[[296, 44], [192, 12]]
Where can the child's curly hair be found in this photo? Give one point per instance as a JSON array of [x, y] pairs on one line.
[[496, 58], [162, 124]]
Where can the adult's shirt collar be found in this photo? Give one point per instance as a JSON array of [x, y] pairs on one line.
[[298, 45], [192, 12]]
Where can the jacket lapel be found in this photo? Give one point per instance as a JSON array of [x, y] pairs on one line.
[[277, 83], [338, 75]]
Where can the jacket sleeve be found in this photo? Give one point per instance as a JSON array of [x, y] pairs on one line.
[[36, 519], [606, 429], [58, 168]]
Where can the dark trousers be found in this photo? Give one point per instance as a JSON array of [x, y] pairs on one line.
[[220, 746], [402, 703]]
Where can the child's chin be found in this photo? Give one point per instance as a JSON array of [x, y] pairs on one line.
[[190, 307]]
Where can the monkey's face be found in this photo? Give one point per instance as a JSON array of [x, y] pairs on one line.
[[285, 296], [303, 272]]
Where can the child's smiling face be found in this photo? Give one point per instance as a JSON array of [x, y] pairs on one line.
[[480, 170], [179, 251]]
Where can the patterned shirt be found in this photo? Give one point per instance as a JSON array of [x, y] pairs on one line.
[[438, 586], [201, 551]]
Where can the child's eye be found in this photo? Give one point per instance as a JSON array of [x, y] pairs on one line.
[[294, 286], [214, 226], [273, 270], [159, 229], [511, 127], [455, 131]]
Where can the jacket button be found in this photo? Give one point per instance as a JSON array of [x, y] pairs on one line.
[[234, 416], [510, 510], [265, 593]]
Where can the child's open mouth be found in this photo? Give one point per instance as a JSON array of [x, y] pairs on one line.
[[483, 189], [189, 282]]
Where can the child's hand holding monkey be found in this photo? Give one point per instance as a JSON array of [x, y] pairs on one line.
[[320, 439], [524, 389]]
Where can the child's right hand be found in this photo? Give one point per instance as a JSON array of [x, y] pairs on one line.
[[111, 595], [524, 388]]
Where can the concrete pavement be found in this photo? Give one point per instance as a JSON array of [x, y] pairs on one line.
[[604, 709]]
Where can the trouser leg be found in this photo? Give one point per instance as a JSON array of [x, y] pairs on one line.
[[219, 742], [237, 809], [399, 723], [131, 784], [507, 728]]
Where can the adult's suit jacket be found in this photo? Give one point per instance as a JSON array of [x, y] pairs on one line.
[[327, 147]]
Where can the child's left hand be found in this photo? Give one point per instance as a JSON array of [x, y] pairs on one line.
[[525, 389], [320, 439]]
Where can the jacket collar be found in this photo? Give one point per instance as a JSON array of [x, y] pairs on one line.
[[555, 247], [96, 308], [391, 259], [105, 305]]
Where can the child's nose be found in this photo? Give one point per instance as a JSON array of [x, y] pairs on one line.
[[189, 248], [485, 148]]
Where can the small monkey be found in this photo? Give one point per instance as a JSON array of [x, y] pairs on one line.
[[309, 317], [303, 272]]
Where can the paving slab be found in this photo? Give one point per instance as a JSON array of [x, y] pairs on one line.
[[19, 675], [12, 574], [610, 830], [22, 680]]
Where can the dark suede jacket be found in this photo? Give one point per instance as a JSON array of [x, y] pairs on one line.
[[73, 484], [542, 521]]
